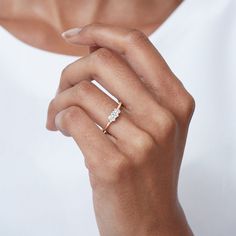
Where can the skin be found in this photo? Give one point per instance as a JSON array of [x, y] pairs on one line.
[[40, 23], [134, 168]]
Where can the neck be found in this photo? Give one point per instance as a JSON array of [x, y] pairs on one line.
[[146, 15], [130, 13]]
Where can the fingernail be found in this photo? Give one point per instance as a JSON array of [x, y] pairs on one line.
[[71, 32]]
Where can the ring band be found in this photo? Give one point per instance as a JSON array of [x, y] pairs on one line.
[[112, 117]]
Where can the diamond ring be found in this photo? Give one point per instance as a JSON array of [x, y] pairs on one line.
[[112, 117]]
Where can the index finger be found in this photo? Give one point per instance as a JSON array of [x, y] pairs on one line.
[[141, 55], [134, 45]]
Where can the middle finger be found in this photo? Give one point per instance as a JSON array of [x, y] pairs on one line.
[[115, 75], [96, 104]]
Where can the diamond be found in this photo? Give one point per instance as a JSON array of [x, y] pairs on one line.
[[114, 114]]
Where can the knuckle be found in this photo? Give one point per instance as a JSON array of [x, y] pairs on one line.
[[91, 164], [102, 55], [135, 36], [65, 72], [68, 117], [51, 105], [188, 106], [167, 126], [82, 89], [143, 144]]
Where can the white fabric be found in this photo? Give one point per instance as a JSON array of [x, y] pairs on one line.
[[44, 187]]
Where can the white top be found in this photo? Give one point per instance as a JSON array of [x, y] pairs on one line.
[[44, 186]]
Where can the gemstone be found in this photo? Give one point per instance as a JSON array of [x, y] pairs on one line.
[[114, 114]]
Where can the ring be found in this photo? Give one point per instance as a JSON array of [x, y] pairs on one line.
[[112, 117]]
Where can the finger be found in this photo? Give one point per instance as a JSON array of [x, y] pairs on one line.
[[116, 76], [96, 104], [113, 73], [98, 150], [93, 48], [131, 43], [141, 55]]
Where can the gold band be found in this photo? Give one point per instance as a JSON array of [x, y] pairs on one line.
[[112, 117]]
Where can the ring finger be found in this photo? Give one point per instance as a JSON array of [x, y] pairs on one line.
[[115, 75], [96, 104]]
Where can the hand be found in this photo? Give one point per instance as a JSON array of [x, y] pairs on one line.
[[134, 168]]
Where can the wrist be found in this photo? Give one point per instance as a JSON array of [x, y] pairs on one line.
[[173, 223]]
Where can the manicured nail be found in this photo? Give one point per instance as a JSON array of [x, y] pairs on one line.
[[71, 32]]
